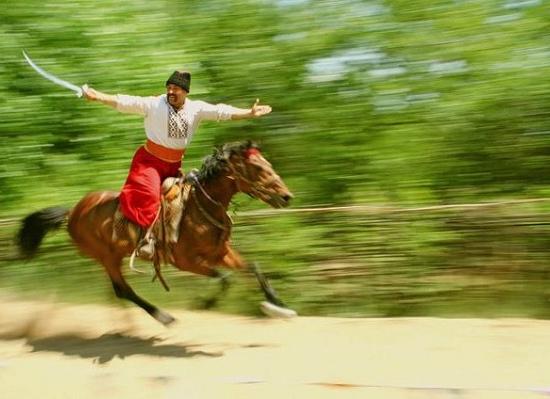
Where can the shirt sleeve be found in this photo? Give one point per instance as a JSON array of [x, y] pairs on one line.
[[218, 112], [134, 104]]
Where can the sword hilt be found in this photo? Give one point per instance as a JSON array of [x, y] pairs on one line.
[[82, 90]]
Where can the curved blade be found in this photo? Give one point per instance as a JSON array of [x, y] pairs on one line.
[[53, 78]]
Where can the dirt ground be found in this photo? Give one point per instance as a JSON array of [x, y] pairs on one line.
[[54, 350]]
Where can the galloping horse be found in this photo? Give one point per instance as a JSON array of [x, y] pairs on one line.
[[204, 231]]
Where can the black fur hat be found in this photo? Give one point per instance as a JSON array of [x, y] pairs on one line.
[[181, 79]]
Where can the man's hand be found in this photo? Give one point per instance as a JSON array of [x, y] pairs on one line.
[[89, 94], [93, 95], [258, 110]]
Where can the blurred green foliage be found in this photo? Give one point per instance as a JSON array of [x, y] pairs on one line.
[[385, 102]]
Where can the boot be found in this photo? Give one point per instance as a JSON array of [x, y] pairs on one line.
[[146, 248]]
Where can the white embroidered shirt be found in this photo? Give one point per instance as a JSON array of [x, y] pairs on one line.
[[170, 128]]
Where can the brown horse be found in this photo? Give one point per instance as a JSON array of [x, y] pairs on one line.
[[204, 231]]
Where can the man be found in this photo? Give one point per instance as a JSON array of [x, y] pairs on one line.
[[170, 121]]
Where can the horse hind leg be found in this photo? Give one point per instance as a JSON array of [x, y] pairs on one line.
[[124, 291]]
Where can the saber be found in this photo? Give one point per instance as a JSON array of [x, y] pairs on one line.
[[55, 79]]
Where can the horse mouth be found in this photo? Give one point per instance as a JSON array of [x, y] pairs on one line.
[[280, 201]]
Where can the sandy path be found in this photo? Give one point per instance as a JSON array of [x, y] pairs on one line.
[[52, 350]]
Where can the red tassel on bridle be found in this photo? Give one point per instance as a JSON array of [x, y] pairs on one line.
[[251, 151]]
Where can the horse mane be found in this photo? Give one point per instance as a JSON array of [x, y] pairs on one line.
[[217, 161]]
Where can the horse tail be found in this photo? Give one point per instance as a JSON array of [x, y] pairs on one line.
[[36, 225]]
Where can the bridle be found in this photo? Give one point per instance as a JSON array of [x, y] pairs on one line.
[[241, 175], [237, 175]]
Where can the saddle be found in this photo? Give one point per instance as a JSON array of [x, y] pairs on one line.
[[156, 243], [175, 193]]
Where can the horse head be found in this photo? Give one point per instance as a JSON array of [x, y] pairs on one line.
[[254, 175]]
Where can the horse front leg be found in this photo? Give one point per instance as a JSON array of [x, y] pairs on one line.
[[275, 306], [198, 264], [225, 283], [269, 292], [124, 291]]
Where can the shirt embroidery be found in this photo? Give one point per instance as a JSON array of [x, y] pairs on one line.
[[178, 127]]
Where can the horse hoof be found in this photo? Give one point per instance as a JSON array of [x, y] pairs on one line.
[[272, 310], [163, 318]]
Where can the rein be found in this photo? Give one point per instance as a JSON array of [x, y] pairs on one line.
[[225, 226]]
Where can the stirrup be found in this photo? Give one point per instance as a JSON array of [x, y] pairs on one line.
[[144, 250]]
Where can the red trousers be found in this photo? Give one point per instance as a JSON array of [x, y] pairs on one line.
[[140, 195]]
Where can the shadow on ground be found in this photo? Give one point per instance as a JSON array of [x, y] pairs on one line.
[[106, 347]]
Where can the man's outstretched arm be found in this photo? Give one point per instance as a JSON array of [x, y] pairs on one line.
[[256, 111], [95, 95]]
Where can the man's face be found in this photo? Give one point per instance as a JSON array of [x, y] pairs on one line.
[[175, 95]]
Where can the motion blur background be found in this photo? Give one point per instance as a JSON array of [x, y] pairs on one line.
[[427, 120]]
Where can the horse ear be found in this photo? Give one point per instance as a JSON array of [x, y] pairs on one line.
[[226, 153], [219, 152]]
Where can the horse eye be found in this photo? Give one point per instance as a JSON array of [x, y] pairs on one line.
[[255, 165]]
